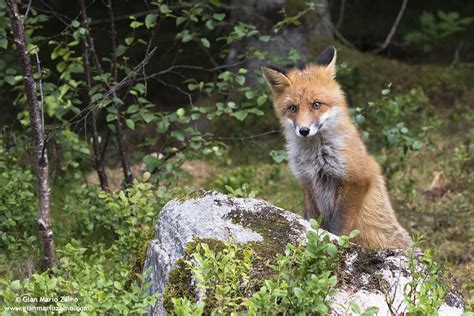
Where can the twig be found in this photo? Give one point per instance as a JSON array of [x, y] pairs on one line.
[[27, 11], [98, 157], [190, 97], [456, 54], [127, 173], [393, 29], [341, 14], [272, 132]]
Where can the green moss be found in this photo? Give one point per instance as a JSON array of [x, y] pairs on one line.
[[276, 231], [180, 277], [140, 256], [192, 195], [179, 285], [269, 222]]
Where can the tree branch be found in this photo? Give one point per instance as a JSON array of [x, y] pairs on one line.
[[341, 14], [393, 29]]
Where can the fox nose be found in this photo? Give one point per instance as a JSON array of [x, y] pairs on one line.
[[304, 131]]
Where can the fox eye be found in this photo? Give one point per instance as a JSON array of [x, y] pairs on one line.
[[293, 109], [315, 105]]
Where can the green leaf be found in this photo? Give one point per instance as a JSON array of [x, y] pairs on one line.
[[331, 249], [205, 42], [249, 94], [133, 108], [164, 9], [417, 145], [129, 40], [162, 126], [147, 117], [278, 155], [121, 49], [150, 20], [75, 23], [240, 79], [240, 115], [187, 38], [353, 233], [10, 80], [209, 24], [51, 284], [130, 123], [360, 119], [3, 43], [15, 285], [135, 24], [111, 117], [179, 135], [219, 16], [180, 20], [262, 99], [180, 112], [117, 284]]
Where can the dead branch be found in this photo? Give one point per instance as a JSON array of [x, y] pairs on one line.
[[393, 29]]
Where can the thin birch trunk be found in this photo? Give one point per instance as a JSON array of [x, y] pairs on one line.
[[44, 220]]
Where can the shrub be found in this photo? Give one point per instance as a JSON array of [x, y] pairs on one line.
[[101, 283], [18, 206], [237, 182], [123, 216], [391, 127], [426, 292]]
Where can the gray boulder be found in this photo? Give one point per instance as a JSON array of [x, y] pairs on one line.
[[368, 277]]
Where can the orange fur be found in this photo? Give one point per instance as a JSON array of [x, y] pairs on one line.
[[333, 162]]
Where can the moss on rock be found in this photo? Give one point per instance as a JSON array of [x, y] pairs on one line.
[[180, 282], [276, 231], [192, 195]]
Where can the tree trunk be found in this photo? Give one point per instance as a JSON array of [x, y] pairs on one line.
[[98, 158], [127, 173], [118, 122], [44, 220]]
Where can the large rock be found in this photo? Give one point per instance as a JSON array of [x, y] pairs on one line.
[[368, 277]]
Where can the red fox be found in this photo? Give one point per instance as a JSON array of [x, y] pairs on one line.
[[340, 179]]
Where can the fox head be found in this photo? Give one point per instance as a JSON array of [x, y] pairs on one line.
[[308, 100]]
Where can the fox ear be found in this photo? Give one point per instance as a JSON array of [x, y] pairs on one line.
[[276, 79], [328, 59]]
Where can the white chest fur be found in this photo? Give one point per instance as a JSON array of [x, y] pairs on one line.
[[318, 162]]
